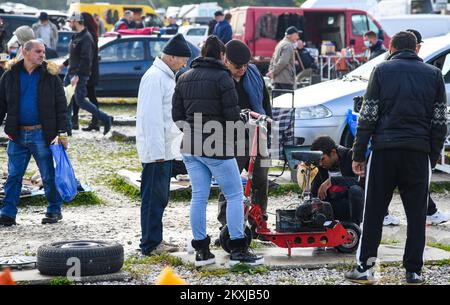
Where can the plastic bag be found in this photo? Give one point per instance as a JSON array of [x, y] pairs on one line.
[[65, 180]]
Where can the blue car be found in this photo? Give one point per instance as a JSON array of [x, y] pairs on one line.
[[125, 59]]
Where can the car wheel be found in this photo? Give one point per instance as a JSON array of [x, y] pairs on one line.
[[95, 257]]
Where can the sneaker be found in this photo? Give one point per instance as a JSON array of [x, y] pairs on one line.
[[413, 278], [367, 277], [437, 218], [51, 218], [204, 257], [7, 221], [244, 256], [391, 220], [91, 127], [108, 125], [164, 247]]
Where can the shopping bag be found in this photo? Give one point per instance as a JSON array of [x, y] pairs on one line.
[[65, 180]]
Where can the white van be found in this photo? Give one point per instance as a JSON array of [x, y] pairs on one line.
[[401, 7], [429, 25], [370, 6]]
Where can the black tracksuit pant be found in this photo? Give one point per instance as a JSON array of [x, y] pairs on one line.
[[410, 171]]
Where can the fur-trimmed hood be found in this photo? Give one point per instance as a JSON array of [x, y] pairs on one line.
[[51, 67]]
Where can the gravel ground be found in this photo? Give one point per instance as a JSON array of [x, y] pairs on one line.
[[95, 158]]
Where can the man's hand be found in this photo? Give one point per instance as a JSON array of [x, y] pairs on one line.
[[61, 140], [74, 80], [270, 74], [323, 189], [359, 168]]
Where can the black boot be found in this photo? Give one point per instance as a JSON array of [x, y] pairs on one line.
[[93, 125], [203, 256], [107, 125], [240, 253]]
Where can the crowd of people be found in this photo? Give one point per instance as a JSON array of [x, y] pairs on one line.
[[178, 115]]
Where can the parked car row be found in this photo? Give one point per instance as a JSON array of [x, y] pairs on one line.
[[321, 109], [124, 60]]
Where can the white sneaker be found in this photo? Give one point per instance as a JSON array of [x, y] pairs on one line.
[[438, 218], [391, 220]]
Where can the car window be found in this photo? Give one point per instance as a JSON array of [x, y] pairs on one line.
[[373, 26], [359, 24], [123, 51], [196, 32], [443, 63], [156, 47]]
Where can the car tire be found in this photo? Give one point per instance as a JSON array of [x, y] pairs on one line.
[[347, 138], [96, 257]]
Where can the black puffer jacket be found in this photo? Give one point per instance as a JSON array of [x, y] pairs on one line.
[[52, 104], [404, 107], [206, 89], [377, 49]]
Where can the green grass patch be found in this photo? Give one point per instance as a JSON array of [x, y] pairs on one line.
[[60, 281], [439, 246], [82, 199], [117, 101], [163, 259], [213, 272], [441, 262], [118, 137], [440, 187], [245, 268], [389, 242]]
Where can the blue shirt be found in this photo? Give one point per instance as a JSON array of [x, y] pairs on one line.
[[224, 31], [29, 113]]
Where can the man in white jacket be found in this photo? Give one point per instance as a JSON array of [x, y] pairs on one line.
[[158, 141]]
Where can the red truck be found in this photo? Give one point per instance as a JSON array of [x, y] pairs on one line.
[[262, 27]]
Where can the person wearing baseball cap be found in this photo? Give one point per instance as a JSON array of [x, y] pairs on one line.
[[218, 17], [81, 50], [46, 30], [282, 64]]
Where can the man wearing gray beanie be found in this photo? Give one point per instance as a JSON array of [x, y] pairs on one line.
[[158, 141]]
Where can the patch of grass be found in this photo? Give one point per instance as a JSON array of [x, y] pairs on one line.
[[285, 189], [60, 281], [213, 272], [439, 246], [441, 262], [117, 101], [163, 259], [245, 268], [119, 184], [440, 187], [82, 199], [255, 245], [118, 137], [390, 242]]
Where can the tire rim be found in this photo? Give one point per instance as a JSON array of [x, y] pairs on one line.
[[354, 241], [81, 244]]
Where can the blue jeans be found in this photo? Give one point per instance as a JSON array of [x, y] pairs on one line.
[[30, 143], [227, 174], [80, 99], [155, 189]]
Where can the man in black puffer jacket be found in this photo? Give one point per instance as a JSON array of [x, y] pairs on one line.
[[404, 112], [32, 95]]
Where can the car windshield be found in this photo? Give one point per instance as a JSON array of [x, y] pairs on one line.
[[429, 47]]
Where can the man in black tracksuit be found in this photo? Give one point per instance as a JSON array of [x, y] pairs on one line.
[[345, 192], [404, 112]]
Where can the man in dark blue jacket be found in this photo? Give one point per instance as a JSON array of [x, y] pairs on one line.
[[404, 114], [223, 29]]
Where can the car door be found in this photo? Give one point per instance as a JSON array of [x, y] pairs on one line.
[[443, 62], [122, 64], [197, 35]]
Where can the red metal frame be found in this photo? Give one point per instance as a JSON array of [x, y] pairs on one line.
[[332, 236]]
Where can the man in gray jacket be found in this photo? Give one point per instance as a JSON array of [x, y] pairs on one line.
[[46, 30], [282, 65]]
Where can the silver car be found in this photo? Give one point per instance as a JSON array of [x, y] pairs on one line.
[[321, 109]]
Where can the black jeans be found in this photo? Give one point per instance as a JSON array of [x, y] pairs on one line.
[[260, 187], [155, 190], [410, 171], [350, 207]]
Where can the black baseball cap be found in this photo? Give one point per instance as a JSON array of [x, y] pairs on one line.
[[292, 29], [218, 13], [43, 16], [417, 34]]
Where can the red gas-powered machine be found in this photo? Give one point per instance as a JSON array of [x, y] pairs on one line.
[[310, 225]]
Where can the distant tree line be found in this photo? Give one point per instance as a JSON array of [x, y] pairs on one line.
[[62, 4]]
